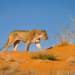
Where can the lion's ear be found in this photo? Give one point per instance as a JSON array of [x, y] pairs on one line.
[[40, 30], [44, 30]]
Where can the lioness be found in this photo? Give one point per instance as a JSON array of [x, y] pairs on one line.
[[25, 36]]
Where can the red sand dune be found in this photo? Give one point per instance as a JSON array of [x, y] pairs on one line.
[[65, 56]]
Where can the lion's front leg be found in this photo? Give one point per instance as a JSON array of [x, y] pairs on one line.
[[39, 46], [27, 46]]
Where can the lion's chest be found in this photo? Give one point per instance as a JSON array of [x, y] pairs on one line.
[[35, 40]]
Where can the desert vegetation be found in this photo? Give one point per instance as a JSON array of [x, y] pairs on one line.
[[44, 56], [9, 59], [63, 72], [13, 70], [66, 34], [7, 70], [71, 61]]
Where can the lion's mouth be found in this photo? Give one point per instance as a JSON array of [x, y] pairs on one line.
[[46, 38]]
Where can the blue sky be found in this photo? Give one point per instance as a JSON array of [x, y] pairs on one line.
[[34, 14]]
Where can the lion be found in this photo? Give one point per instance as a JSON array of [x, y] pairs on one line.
[[28, 37]]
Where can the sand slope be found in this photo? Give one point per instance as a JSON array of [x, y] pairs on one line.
[[65, 60]]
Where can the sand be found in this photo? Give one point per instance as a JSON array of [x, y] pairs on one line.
[[23, 64]]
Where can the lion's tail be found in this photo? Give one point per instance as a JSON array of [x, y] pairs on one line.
[[2, 47], [5, 45]]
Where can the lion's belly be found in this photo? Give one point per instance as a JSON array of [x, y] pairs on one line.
[[21, 39]]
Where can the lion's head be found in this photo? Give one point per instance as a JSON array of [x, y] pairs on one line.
[[43, 34]]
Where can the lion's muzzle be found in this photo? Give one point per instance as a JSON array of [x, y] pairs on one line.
[[46, 38]]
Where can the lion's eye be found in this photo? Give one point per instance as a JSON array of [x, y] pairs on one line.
[[45, 34]]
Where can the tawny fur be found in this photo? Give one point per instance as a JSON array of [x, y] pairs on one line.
[[25, 36]]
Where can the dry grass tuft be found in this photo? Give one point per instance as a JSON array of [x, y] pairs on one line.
[[9, 58], [13, 70], [63, 72], [63, 38], [71, 61], [64, 42], [66, 73], [31, 72], [9, 70], [66, 35], [5, 67], [44, 57]]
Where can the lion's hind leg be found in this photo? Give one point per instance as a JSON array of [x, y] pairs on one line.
[[16, 45], [5, 48], [10, 43]]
